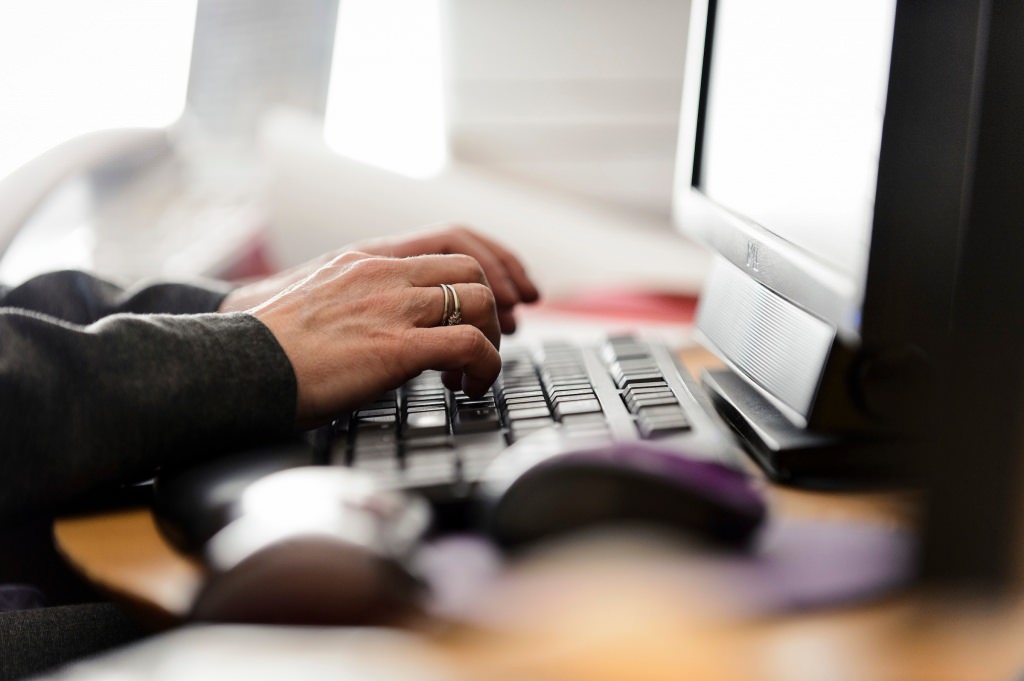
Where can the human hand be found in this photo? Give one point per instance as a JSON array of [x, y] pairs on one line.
[[505, 274], [503, 271], [360, 325]]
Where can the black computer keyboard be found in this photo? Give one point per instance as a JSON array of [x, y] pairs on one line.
[[423, 436], [429, 440]]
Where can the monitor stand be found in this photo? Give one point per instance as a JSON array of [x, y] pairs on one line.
[[794, 455]]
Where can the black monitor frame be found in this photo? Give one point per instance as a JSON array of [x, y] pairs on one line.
[[819, 395], [936, 360]]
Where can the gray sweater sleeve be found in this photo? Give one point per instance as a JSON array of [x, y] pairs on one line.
[[84, 405], [82, 298]]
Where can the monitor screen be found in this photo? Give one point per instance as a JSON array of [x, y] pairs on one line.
[[793, 127]]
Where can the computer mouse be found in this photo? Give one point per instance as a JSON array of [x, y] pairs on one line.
[[315, 545], [626, 483]]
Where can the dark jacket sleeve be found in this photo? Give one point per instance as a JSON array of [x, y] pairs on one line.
[[82, 298], [86, 405]]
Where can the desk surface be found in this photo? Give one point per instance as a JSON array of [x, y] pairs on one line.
[[616, 597]]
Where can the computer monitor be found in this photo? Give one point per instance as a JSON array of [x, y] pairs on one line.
[[827, 156]]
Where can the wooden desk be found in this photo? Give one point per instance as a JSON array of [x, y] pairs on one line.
[[608, 610], [642, 630]]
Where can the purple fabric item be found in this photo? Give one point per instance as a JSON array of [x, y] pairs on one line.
[[797, 565], [804, 565], [459, 569], [20, 597]]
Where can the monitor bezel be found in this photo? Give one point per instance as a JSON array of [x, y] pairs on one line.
[[797, 275], [903, 305]]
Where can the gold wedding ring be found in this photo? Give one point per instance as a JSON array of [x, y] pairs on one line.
[[452, 306]]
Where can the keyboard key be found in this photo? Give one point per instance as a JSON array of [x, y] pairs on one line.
[[520, 429], [417, 444], [371, 421], [431, 467], [652, 386], [370, 413], [482, 403], [632, 366], [528, 412], [564, 409], [650, 429], [426, 423], [634, 379], [624, 347], [570, 392], [523, 399], [636, 402], [523, 391], [376, 426], [474, 419], [667, 412], [661, 420], [586, 425], [647, 401], [425, 401], [589, 395]]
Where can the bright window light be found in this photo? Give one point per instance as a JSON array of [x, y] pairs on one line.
[[385, 105], [69, 67]]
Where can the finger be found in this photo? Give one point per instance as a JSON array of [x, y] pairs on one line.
[[425, 308], [452, 380], [431, 270], [506, 320], [462, 349], [465, 241], [478, 309], [503, 270], [513, 267]]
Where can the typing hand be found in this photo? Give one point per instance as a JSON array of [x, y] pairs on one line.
[[362, 324], [506, 275], [503, 271]]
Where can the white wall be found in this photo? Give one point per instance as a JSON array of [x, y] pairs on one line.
[[582, 95], [320, 200], [562, 119]]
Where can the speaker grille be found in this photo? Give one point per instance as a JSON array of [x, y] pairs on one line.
[[777, 345]]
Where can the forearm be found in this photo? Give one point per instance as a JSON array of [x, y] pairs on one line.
[[81, 407], [82, 298]]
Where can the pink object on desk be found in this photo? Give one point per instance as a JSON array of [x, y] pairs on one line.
[[632, 305]]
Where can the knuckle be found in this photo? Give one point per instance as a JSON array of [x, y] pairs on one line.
[[481, 296], [472, 341], [372, 268], [347, 258], [464, 261], [470, 268]]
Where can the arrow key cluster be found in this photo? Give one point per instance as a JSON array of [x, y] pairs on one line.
[[646, 393]]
